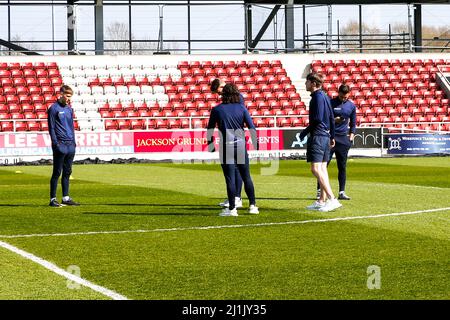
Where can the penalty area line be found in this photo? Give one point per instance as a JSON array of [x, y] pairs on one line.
[[69, 276]]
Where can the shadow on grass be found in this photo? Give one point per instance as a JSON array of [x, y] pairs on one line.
[[151, 205], [170, 209], [187, 213], [24, 205]]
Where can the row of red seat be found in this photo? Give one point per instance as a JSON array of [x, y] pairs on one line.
[[27, 90], [380, 78], [38, 82], [187, 81], [379, 62], [30, 73], [28, 65], [228, 64], [24, 115], [226, 72], [34, 98], [382, 86], [252, 87], [21, 126], [374, 70]]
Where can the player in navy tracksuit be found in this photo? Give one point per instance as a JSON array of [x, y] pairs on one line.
[[321, 138], [230, 117], [345, 116], [61, 129], [216, 87]]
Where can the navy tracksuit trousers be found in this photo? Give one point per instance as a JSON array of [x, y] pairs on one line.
[[234, 157], [63, 155]]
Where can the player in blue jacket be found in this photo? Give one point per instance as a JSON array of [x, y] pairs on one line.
[[62, 133], [230, 117], [321, 138], [345, 127], [217, 87]]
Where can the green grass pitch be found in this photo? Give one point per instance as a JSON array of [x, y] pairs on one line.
[[267, 256]]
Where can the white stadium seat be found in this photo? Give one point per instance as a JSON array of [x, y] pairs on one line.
[[137, 97], [87, 98], [174, 73], [88, 67], [76, 68], [101, 66], [91, 107], [100, 99], [134, 89], [135, 65], [121, 90], [85, 125], [81, 81], [110, 90], [113, 99], [97, 90], [90, 74], [125, 100], [83, 89], [148, 97], [158, 89], [146, 89], [97, 125]]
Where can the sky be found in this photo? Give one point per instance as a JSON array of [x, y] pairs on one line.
[[208, 22]]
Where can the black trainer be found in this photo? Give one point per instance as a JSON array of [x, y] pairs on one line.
[[70, 202], [54, 203], [343, 196]]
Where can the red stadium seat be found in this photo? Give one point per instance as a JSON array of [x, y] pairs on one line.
[[44, 125], [21, 126], [34, 126], [184, 123], [124, 124], [6, 126], [111, 125]]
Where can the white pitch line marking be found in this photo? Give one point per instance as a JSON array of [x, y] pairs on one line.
[[224, 226], [50, 266]]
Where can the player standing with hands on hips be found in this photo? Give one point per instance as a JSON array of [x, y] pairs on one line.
[[344, 116], [321, 139], [62, 133]]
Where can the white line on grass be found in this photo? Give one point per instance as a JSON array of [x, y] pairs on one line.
[[224, 226], [50, 266]]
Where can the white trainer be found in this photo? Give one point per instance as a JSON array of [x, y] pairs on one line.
[[330, 205], [224, 203], [253, 209], [228, 213], [316, 205], [237, 203]]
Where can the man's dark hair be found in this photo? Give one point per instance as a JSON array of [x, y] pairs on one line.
[[343, 88], [215, 84], [66, 89], [315, 78], [230, 94]]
